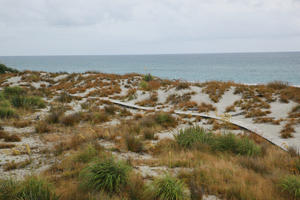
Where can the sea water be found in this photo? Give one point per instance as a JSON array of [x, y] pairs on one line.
[[248, 68]]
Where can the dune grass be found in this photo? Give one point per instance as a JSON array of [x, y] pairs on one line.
[[168, 188], [108, 175], [197, 136], [291, 185], [32, 188]]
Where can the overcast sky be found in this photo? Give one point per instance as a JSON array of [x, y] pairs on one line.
[[84, 27]]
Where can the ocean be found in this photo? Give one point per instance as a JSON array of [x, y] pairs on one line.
[[250, 68]]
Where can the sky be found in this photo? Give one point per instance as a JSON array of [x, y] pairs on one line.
[[102, 27]]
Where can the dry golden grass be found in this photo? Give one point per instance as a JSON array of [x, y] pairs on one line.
[[151, 101], [203, 107], [267, 120], [22, 123], [257, 113], [288, 130], [216, 89]]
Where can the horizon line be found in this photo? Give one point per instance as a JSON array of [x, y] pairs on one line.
[[152, 54]]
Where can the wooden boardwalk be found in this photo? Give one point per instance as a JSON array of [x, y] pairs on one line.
[[249, 127]]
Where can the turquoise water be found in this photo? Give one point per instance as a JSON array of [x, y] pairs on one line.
[[239, 67]]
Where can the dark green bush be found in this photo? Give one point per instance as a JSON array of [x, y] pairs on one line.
[[7, 112], [9, 189], [148, 77], [36, 189], [232, 143], [168, 188], [27, 102], [291, 185], [4, 69], [193, 136], [107, 175], [13, 91], [32, 188]]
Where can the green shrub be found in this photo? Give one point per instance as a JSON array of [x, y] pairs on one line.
[[144, 85], [5, 103], [36, 189], [9, 189], [27, 102], [13, 91], [7, 112], [193, 136], [291, 185], [232, 143], [148, 77], [107, 175], [168, 188], [134, 144], [87, 154], [4, 69], [165, 119]]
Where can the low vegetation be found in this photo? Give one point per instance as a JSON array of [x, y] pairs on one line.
[[107, 175], [93, 149]]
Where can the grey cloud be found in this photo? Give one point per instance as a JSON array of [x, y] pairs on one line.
[[150, 26]]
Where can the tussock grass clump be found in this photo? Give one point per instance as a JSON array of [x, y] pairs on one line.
[[64, 97], [136, 187], [13, 91], [37, 189], [96, 117], [165, 119], [18, 98], [22, 124], [278, 85], [108, 175], [232, 143], [196, 136], [193, 136], [287, 131], [27, 102], [148, 77], [12, 138], [6, 146], [111, 109], [42, 127], [168, 188], [291, 186], [32, 188], [9, 138], [7, 112], [71, 120], [87, 154], [182, 85], [16, 165], [55, 115], [149, 134], [254, 164], [8, 189], [134, 144]]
